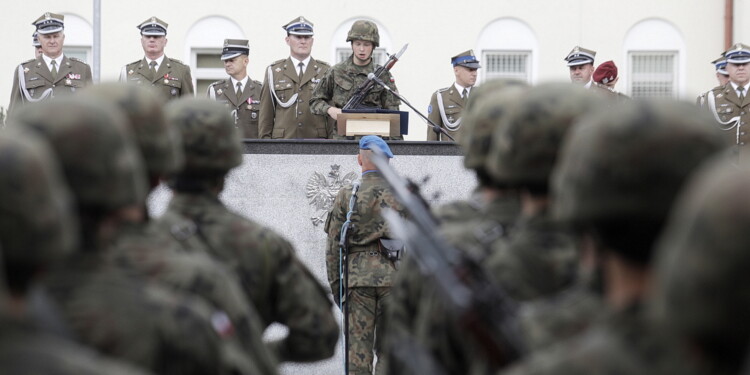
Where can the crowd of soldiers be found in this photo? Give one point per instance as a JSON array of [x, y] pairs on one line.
[[604, 235]]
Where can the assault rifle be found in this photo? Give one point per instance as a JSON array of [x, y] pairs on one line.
[[355, 102], [473, 298]]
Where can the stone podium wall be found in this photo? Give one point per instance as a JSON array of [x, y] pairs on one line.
[[273, 184]]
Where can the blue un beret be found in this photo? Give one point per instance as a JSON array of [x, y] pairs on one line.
[[369, 141]]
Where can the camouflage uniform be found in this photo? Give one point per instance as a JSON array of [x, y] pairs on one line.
[[272, 277], [370, 272], [340, 82], [173, 333], [155, 255], [37, 226], [471, 225], [659, 142], [701, 269]]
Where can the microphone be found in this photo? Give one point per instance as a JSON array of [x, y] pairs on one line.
[[372, 77]]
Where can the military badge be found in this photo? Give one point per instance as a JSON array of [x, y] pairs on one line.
[[166, 81], [277, 70], [25, 70], [249, 106], [74, 76], [250, 100], [174, 92], [254, 115], [429, 109], [130, 71], [68, 82], [219, 92], [315, 80]]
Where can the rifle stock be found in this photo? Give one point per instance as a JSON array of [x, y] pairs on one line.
[[470, 293]]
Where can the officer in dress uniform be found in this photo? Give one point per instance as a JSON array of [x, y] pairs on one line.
[[287, 88], [721, 75], [238, 92], [447, 103], [729, 103], [170, 77], [581, 63], [51, 73]]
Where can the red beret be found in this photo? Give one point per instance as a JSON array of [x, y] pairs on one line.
[[606, 72]]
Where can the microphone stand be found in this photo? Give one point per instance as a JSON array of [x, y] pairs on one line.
[[435, 127]]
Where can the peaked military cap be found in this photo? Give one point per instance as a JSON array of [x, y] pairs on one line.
[[738, 54], [153, 26], [580, 56], [49, 23], [721, 65], [369, 142], [35, 40], [466, 59], [299, 26], [234, 48]]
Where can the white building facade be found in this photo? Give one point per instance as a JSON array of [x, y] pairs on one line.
[[662, 48]]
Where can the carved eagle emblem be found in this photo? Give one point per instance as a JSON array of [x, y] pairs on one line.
[[322, 190]]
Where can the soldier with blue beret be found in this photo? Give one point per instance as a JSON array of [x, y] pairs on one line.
[[447, 104]]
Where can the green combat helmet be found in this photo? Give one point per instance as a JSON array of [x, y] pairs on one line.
[[160, 145], [211, 142], [702, 265], [364, 30], [526, 144], [37, 225], [486, 107], [95, 148], [626, 164]]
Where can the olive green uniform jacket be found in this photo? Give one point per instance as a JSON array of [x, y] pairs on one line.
[[285, 102], [72, 75], [245, 110], [171, 81], [728, 108], [445, 113]]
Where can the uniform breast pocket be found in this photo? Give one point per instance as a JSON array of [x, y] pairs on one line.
[[453, 113], [35, 87], [173, 86], [74, 83], [344, 82], [284, 90], [726, 113]]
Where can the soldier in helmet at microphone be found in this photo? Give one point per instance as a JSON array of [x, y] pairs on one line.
[[339, 83]]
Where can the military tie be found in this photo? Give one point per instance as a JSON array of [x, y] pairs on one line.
[[152, 68], [741, 89], [301, 65], [54, 69], [239, 90], [465, 94]]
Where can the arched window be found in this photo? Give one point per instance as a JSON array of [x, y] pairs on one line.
[[341, 49], [655, 56], [79, 37], [508, 48], [203, 43]]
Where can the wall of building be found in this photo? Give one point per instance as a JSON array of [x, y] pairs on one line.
[[435, 31]]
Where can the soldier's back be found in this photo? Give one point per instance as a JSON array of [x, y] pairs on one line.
[[26, 350], [141, 323], [278, 284]]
